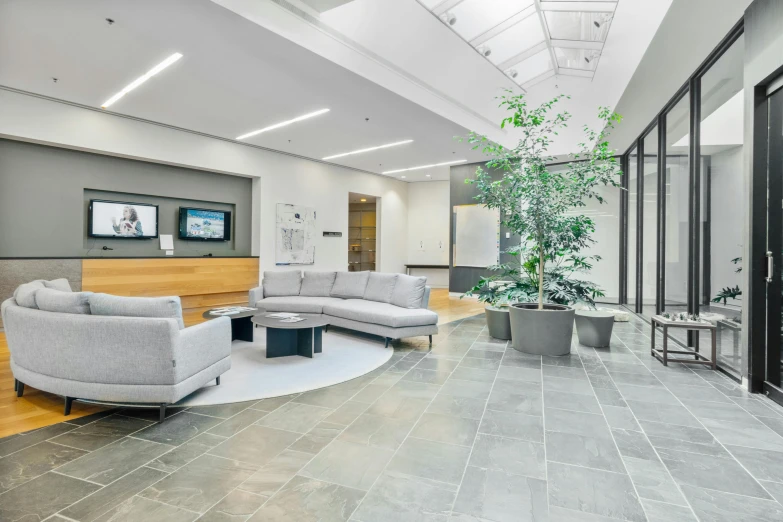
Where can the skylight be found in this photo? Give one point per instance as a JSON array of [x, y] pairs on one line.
[[531, 40]]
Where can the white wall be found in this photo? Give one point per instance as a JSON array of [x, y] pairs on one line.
[[428, 229], [282, 178]]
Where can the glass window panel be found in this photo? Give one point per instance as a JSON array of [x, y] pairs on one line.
[[574, 25], [633, 158], [722, 206], [534, 66], [585, 59], [514, 40], [677, 215], [474, 17], [649, 223]]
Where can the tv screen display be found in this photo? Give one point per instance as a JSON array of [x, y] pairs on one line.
[[203, 224], [119, 219]]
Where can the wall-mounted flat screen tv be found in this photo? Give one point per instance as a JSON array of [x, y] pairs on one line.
[[200, 224], [122, 220]]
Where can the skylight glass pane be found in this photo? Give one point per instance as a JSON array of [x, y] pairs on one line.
[[534, 66], [585, 59], [572, 25], [473, 17], [514, 40]]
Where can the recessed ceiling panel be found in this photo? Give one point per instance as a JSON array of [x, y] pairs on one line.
[[534, 66], [473, 17], [514, 40], [585, 59], [574, 25]]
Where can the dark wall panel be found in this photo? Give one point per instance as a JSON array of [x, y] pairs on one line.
[[44, 194]]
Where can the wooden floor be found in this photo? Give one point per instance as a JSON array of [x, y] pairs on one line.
[[37, 409]]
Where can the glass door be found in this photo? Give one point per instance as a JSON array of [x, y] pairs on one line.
[[774, 366]]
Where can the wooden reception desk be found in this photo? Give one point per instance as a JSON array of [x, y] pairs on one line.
[[200, 282]]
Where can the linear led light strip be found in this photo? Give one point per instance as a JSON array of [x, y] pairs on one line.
[[368, 149], [425, 166], [284, 123], [141, 79]]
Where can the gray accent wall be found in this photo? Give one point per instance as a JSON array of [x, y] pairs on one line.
[[45, 192], [463, 278]]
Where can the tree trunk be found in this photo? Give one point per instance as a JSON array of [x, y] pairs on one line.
[[540, 281]]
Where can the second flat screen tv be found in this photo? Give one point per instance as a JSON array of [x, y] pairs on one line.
[[201, 224]]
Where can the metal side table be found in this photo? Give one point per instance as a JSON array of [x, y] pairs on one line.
[[663, 355]]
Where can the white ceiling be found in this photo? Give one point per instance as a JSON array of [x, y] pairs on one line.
[[234, 77], [388, 70]]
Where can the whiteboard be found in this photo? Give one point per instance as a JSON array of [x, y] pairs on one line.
[[476, 236]]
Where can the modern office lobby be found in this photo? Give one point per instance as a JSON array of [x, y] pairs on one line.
[[391, 260]]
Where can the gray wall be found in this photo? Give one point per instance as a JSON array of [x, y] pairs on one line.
[[463, 278], [44, 194]]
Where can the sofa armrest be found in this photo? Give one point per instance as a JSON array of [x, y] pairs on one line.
[[425, 299], [201, 346], [255, 295]]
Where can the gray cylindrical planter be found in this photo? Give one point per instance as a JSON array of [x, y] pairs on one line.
[[594, 328], [542, 332], [498, 322]]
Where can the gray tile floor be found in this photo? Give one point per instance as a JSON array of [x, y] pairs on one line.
[[470, 430]]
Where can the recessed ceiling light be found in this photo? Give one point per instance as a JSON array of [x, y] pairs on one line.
[[428, 175], [363, 200], [141, 79], [425, 166], [284, 123], [368, 149], [402, 177]]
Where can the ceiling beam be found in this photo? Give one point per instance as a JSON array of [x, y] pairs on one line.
[[548, 39], [578, 44], [445, 5], [524, 55], [589, 7], [503, 26], [581, 73], [538, 79]]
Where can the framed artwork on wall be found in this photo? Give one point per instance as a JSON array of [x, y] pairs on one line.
[[294, 235]]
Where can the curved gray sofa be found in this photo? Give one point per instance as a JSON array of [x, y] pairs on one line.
[[110, 349], [392, 306]]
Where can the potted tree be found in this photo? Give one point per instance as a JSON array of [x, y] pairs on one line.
[[541, 206]]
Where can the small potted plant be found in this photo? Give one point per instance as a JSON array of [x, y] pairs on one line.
[[494, 292], [541, 205]]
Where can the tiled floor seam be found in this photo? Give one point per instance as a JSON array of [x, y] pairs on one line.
[[475, 437], [713, 436], [408, 435]]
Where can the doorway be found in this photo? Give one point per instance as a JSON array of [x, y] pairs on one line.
[[362, 232]]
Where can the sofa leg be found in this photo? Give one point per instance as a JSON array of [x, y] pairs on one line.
[[162, 412], [68, 403], [20, 389], [387, 342], [217, 381], [430, 340], [16, 384], [326, 328]]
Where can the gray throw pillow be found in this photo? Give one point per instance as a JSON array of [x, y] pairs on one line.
[[282, 283], [350, 285], [157, 307], [317, 284], [25, 294], [380, 287], [59, 284], [408, 291], [50, 300]]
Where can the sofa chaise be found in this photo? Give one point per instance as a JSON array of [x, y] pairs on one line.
[[392, 306], [110, 349]]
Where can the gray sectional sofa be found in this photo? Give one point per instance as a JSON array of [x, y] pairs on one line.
[[111, 349], [389, 305]]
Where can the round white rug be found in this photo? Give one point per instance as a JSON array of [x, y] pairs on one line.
[[252, 376]]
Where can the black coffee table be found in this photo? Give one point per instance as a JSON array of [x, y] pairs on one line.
[[241, 327], [301, 338]]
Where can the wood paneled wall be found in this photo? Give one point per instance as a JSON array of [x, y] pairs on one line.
[[200, 282]]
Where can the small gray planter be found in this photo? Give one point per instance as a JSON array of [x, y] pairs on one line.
[[594, 328], [498, 322], [542, 332]]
